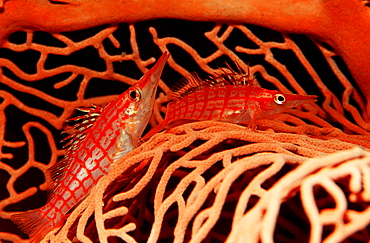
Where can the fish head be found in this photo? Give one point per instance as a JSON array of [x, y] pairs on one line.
[[139, 100], [276, 102]]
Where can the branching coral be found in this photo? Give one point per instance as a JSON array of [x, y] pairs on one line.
[[342, 24], [211, 177], [228, 180]]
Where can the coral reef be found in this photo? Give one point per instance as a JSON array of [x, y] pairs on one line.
[[213, 182], [342, 24], [302, 176]]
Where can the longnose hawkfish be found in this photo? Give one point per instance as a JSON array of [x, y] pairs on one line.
[[97, 140], [229, 96]]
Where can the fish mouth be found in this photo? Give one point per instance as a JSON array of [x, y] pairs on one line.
[[303, 98], [151, 78], [294, 100], [307, 99]]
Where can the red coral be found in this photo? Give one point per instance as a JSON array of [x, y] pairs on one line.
[[210, 181], [47, 72]]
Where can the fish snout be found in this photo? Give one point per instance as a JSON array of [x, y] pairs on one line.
[[149, 82], [293, 100]]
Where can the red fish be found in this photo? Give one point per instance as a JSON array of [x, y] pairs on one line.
[[101, 137], [230, 96]]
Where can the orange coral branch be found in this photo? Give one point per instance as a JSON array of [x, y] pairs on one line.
[[204, 188], [313, 173], [343, 24]]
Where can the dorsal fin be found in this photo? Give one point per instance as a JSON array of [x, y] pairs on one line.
[[77, 133], [224, 76], [186, 86], [81, 125], [228, 76]]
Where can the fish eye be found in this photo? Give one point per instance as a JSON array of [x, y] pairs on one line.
[[279, 99], [135, 95]]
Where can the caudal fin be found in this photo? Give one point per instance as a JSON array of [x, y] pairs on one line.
[[34, 223]]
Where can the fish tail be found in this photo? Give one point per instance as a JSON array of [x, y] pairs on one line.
[[34, 223]]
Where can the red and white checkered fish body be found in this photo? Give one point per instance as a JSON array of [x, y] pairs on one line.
[[97, 140]]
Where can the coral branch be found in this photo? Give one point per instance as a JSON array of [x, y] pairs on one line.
[[205, 187], [343, 24], [198, 181]]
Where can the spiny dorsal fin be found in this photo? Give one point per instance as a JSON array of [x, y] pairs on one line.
[[77, 133], [186, 86], [82, 125], [227, 76], [223, 76]]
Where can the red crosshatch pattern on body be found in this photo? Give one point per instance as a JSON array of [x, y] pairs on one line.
[[97, 140], [237, 102], [79, 181], [209, 103], [194, 106]]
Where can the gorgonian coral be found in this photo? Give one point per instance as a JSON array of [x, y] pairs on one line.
[[47, 71], [213, 181]]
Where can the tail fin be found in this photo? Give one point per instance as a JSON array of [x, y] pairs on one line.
[[34, 223]]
